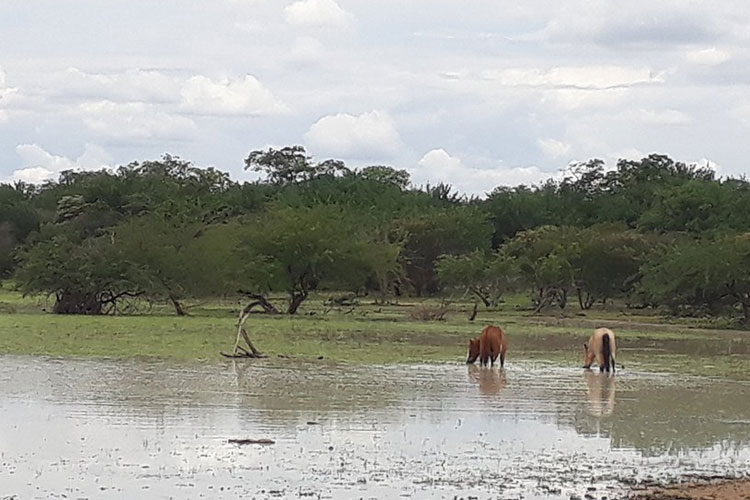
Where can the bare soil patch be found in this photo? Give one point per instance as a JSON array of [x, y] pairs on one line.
[[734, 489]]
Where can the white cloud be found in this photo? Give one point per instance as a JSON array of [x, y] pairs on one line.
[[134, 121], [576, 77], [705, 162], [130, 85], [38, 165], [708, 57], [633, 154], [573, 99], [553, 148], [629, 23], [439, 166], [6, 95], [306, 51], [229, 96], [317, 13], [660, 117], [349, 136]]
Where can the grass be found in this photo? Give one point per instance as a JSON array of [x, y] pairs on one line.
[[371, 334]]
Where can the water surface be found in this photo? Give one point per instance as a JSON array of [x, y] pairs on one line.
[[146, 429]]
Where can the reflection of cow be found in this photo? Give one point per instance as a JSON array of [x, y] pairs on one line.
[[600, 390], [490, 381], [488, 346], [601, 346]]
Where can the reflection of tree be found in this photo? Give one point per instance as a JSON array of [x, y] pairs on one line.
[[661, 419], [656, 416], [490, 380], [270, 391], [282, 392]]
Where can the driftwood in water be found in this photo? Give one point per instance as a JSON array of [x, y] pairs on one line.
[[240, 351], [252, 441]]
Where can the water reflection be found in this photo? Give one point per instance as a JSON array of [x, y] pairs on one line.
[[600, 390], [490, 380]]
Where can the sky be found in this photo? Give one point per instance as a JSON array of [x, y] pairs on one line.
[[476, 94]]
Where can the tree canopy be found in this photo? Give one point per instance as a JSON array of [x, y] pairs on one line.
[[654, 232]]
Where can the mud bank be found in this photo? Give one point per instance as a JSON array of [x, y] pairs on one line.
[[732, 489]]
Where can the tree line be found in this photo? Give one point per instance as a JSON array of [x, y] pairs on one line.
[[652, 233]]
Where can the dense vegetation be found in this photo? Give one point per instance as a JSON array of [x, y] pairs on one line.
[[651, 233]]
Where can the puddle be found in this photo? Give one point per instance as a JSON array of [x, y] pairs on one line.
[[129, 429]]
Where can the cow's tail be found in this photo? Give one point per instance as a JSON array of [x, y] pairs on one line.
[[607, 352]]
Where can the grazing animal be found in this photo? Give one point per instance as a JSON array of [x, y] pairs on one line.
[[600, 347], [488, 346]]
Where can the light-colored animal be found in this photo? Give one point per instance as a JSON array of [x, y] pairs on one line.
[[600, 347], [488, 346]]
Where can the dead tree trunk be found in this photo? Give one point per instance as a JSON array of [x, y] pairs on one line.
[[240, 351]]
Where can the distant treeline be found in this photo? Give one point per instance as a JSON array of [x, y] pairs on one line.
[[652, 233]]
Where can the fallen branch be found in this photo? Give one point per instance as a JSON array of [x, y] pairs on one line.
[[259, 300]]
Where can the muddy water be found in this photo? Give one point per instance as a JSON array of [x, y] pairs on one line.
[[115, 429]]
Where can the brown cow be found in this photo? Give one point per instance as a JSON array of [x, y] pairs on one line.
[[601, 346], [488, 346]]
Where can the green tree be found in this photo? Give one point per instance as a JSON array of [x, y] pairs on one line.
[[18, 220], [608, 262], [487, 276], [441, 231], [301, 250], [546, 260], [85, 277], [702, 277], [169, 259], [700, 207], [386, 175], [290, 165]]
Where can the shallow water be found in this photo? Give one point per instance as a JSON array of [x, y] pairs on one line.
[[144, 429]]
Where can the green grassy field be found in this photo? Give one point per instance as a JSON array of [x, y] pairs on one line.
[[370, 333]]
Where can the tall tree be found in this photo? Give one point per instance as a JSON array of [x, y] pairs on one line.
[[290, 165]]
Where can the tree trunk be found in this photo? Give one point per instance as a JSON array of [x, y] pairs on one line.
[[68, 302], [177, 306], [295, 301], [474, 312], [482, 296], [745, 301], [545, 298], [585, 301]]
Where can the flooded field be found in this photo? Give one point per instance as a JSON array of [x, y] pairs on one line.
[[133, 429]]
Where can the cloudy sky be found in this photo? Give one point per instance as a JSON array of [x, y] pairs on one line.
[[476, 93]]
